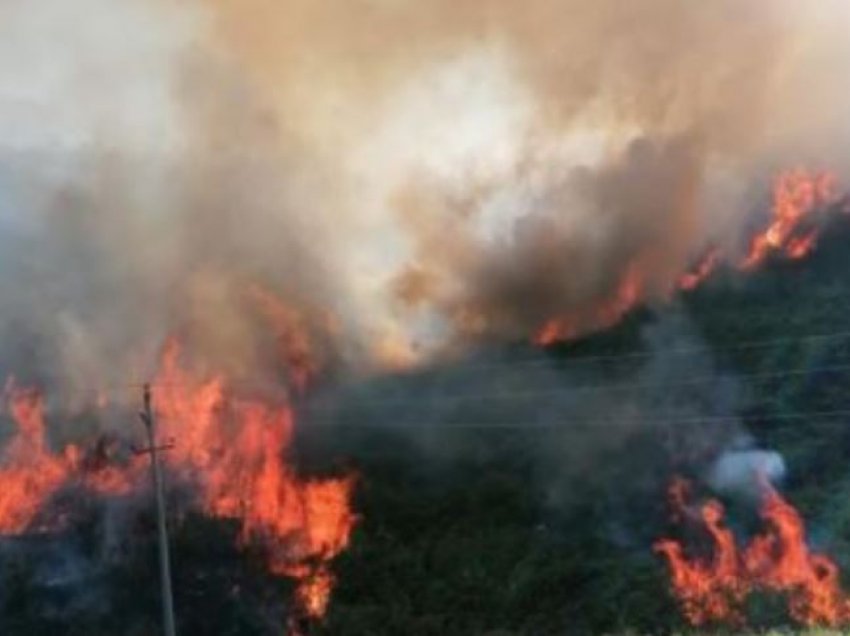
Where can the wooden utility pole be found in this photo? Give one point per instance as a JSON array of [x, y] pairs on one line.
[[146, 416]]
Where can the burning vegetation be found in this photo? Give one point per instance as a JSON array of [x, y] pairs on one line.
[[231, 454], [434, 298], [799, 201], [713, 588], [233, 449]]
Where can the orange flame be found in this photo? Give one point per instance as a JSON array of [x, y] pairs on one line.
[[712, 589], [797, 197], [295, 346], [554, 330], [315, 592], [628, 293], [705, 268], [29, 473], [233, 448]]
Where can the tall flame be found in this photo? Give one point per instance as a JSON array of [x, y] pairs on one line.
[[30, 473], [229, 447], [797, 194], [712, 588], [233, 448]]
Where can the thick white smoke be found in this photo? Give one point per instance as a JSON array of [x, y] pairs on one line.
[[743, 473], [499, 164], [422, 172]]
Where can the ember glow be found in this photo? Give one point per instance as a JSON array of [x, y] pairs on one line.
[[704, 269], [712, 586]]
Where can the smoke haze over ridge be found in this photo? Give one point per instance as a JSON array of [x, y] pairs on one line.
[[422, 172]]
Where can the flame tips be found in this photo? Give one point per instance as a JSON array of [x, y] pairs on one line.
[[713, 589], [232, 449], [792, 232], [797, 195]]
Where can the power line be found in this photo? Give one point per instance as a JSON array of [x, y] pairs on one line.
[[559, 364], [490, 394], [667, 419], [736, 313], [547, 358], [589, 388]]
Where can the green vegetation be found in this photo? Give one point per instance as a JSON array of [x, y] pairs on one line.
[[534, 529], [475, 541]]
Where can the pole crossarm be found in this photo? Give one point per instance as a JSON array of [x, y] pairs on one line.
[[152, 449]]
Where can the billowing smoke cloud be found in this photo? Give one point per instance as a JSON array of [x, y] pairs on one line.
[[399, 173], [372, 180], [144, 194], [502, 163]]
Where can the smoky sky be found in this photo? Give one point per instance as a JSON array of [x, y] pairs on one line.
[[424, 173]]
